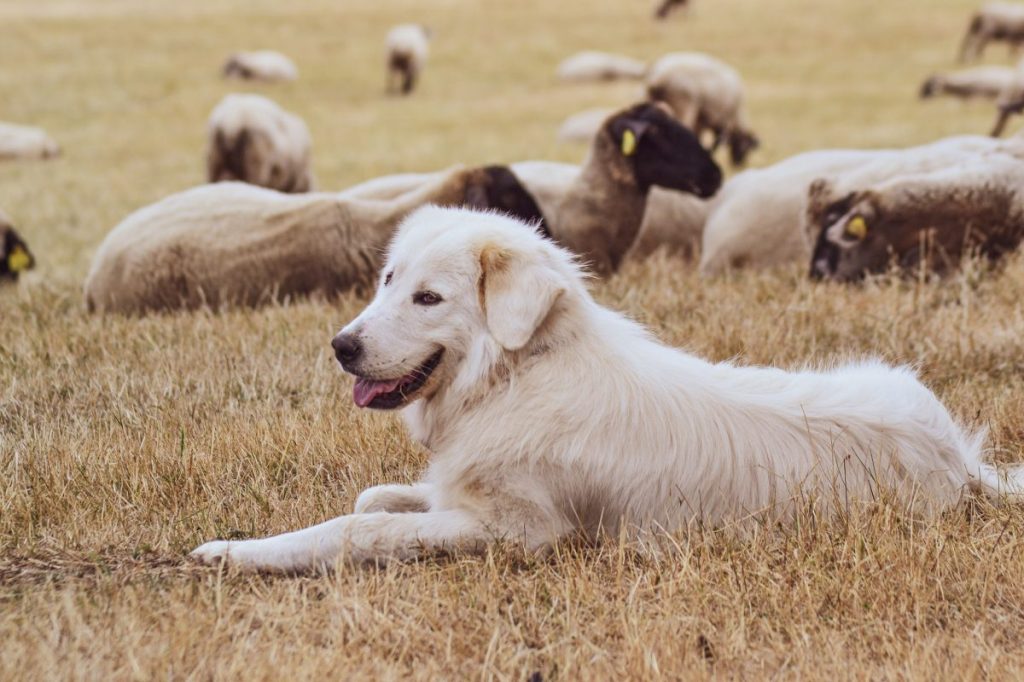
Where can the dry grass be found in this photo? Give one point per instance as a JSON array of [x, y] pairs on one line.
[[126, 442]]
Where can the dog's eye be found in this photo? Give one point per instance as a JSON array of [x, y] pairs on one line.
[[387, 278], [426, 298]]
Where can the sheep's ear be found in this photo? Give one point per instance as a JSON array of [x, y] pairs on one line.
[[629, 133], [516, 295]]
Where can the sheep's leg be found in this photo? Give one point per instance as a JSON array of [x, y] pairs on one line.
[[356, 539], [395, 499], [1004, 117], [408, 80]]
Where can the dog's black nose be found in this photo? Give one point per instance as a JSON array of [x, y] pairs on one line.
[[347, 348]]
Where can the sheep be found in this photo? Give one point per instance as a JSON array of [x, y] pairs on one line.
[[591, 65], [262, 65], [251, 139], [706, 95], [919, 221], [26, 142], [15, 258], [234, 243], [583, 126], [599, 209], [666, 7], [1010, 101], [995, 21], [758, 218], [986, 82], [408, 46]]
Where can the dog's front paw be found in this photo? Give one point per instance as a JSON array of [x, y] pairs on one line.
[[212, 553]]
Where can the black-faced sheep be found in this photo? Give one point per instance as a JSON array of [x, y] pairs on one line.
[[986, 82], [26, 142], [758, 219], [251, 139], [995, 21], [233, 243], [408, 46], [591, 65], [15, 258], [928, 221], [706, 95], [262, 65]]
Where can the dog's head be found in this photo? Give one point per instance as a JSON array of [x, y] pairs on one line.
[[460, 291]]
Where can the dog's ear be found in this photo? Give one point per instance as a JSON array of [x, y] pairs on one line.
[[516, 295]]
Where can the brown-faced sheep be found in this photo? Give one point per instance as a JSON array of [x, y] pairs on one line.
[[758, 219], [408, 46], [15, 258], [262, 65], [251, 139], [26, 142], [995, 21], [981, 82], [706, 95], [927, 221]]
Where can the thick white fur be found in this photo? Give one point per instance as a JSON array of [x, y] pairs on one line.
[[550, 414]]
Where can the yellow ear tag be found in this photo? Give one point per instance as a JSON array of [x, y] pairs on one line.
[[857, 227], [18, 260], [628, 143]]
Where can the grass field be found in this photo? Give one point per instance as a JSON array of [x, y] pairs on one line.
[[124, 443]]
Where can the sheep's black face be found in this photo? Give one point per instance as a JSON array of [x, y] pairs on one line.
[[662, 152], [741, 143], [15, 257], [497, 188], [852, 241]]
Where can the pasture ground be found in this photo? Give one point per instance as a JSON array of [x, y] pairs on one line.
[[124, 443]]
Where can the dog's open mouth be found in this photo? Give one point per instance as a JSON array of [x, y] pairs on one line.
[[392, 393]]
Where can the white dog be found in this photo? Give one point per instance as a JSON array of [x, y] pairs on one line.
[[547, 414]]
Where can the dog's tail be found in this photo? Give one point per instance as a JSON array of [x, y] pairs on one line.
[[1008, 482]]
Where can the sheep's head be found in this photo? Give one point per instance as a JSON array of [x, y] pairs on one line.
[[741, 143], [497, 188], [907, 225], [15, 257], [659, 151]]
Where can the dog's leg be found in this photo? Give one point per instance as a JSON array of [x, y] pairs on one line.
[[394, 498], [355, 539]]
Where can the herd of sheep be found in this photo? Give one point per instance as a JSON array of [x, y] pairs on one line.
[[260, 232]]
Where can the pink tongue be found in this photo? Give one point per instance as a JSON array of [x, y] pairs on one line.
[[366, 390]]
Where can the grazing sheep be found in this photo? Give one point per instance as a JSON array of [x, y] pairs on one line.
[[583, 126], [667, 7], [26, 142], [251, 139], [995, 21], [928, 220], [15, 258], [262, 65], [980, 82], [233, 243], [1010, 101], [408, 46], [591, 65], [758, 218], [706, 95]]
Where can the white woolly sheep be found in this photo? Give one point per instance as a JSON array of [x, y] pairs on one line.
[[408, 46], [251, 139], [919, 221], [26, 142], [758, 218], [262, 65], [234, 243], [706, 95], [591, 65], [995, 21], [986, 82]]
